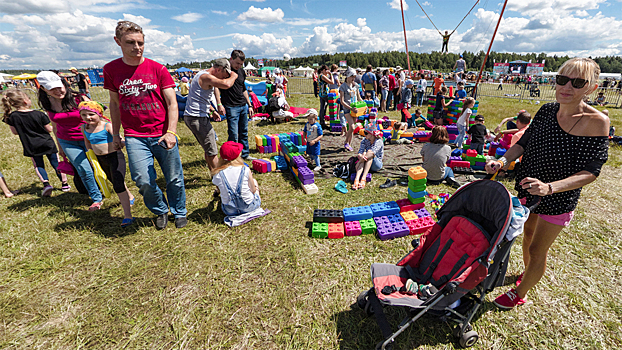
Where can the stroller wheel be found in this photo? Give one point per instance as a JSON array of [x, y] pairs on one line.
[[363, 303], [469, 339], [457, 332]]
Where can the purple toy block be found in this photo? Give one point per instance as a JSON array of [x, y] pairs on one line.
[[299, 161], [353, 228], [457, 159], [452, 129], [399, 229], [483, 164], [421, 213], [304, 173], [367, 178], [335, 128]]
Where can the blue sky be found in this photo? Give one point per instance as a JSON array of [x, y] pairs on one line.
[[63, 33]]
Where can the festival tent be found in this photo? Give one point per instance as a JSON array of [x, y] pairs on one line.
[[300, 71], [249, 67], [262, 70], [25, 76], [183, 70], [5, 77]]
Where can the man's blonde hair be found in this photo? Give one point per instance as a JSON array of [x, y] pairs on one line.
[[124, 27]]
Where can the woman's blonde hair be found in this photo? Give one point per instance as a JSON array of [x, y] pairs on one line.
[[12, 99], [585, 68], [223, 164]]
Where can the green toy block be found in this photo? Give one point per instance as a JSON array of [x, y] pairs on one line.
[[368, 226], [319, 230], [264, 142], [415, 183], [465, 147], [417, 188], [358, 104], [416, 200]]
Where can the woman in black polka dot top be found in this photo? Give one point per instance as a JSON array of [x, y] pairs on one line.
[[563, 150]]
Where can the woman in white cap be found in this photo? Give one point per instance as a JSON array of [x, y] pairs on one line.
[[61, 104], [348, 94]]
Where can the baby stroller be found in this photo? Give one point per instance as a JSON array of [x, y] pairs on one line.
[[460, 259]]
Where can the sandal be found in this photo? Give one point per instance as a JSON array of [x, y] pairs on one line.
[[362, 184], [355, 185], [95, 206], [127, 222], [132, 201]]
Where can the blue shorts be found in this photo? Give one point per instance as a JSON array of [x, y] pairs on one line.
[[313, 150]]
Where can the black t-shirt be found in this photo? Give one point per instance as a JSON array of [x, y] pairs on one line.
[[36, 141], [478, 133], [234, 96], [439, 104], [81, 80]]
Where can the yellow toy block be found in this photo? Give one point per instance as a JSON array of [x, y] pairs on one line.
[[417, 173], [273, 164], [421, 129], [362, 132], [409, 215], [258, 140]]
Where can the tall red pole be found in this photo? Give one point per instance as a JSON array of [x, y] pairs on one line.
[[405, 40], [479, 76]]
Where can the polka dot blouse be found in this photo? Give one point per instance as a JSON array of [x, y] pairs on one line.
[[551, 154]]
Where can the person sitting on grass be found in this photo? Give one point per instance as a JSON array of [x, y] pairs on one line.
[[239, 191], [440, 104], [435, 155], [396, 136], [369, 156]]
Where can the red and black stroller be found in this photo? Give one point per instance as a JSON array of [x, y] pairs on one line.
[[459, 260]]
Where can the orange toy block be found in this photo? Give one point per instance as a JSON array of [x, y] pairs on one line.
[[335, 230], [409, 215], [407, 134], [417, 173]]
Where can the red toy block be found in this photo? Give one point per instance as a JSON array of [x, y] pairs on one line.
[[471, 153], [260, 166], [335, 230], [353, 228], [459, 163], [420, 225], [260, 149], [405, 205]]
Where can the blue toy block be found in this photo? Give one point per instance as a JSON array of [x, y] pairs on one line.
[[395, 218], [417, 194], [302, 149], [456, 153], [385, 208], [357, 213]]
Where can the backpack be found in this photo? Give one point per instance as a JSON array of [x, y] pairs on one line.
[[273, 104], [345, 169]]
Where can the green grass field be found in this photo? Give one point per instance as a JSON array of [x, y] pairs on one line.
[[71, 279]]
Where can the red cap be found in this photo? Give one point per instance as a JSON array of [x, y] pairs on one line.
[[230, 150]]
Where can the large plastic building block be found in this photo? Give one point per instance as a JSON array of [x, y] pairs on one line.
[[310, 189], [353, 228], [452, 129], [395, 218], [421, 213], [335, 127], [419, 194], [385, 208], [388, 230], [367, 178], [281, 163], [305, 175], [500, 152], [409, 215], [357, 213], [319, 230], [420, 225], [417, 173], [418, 200], [471, 153], [260, 166], [459, 164], [456, 153], [328, 215], [368, 226], [406, 205], [335, 230], [298, 161]]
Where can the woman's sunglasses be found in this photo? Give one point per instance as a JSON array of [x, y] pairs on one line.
[[577, 83]]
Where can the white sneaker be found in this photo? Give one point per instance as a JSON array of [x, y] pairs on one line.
[[317, 168]]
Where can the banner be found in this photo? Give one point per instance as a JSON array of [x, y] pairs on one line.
[[343, 63], [535, 69], [260, 62], [501, 68], [316, 65]]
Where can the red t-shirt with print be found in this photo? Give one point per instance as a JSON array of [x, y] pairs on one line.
[[141, 96]]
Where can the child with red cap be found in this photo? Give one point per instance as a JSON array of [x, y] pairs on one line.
[[239, 192]]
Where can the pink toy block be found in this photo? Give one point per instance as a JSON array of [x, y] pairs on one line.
[[353, 228], [420, 225], [459, 164]]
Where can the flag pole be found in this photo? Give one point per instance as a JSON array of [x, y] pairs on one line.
[[405, 40], [479, 76]]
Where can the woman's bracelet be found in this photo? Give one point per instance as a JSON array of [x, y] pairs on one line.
[[172, 132], [550, 188], [503, 161]]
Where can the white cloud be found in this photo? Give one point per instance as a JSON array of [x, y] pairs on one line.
[[262, 15], [361, 22], [311, 21], [396, 5], [189, 17], [140, 20], [255, 0], [426, 3], [224, 13], [265, 45]]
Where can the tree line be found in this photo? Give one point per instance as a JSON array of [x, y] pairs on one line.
[[430, 61]]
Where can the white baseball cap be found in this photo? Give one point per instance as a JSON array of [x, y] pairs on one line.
[[49, 80]]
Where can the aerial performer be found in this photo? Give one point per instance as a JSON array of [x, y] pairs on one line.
[[447, 34]]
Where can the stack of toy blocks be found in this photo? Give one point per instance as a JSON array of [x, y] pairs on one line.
[[327, 224], [298, 166], [418, 221], [264, 166], [452, 111], [270, 143], [333, 116], [417, 184], [492, 149], [452, 130], [358, 221], [476, 161]]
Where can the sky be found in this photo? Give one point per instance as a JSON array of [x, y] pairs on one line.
[[40, 34]]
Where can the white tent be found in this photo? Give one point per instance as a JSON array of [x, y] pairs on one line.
[[300, 71], [249, 67], [5, 77]]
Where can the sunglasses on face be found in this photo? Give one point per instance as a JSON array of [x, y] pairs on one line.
[[577, 83]]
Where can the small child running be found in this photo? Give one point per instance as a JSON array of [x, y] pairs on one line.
[[312, 134], [33, 128], [98, 137]]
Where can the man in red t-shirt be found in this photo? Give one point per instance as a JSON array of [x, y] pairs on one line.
[[438, 82], [142, 99], [392, 86]]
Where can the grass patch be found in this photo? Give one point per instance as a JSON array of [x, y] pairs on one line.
[[74, 279]]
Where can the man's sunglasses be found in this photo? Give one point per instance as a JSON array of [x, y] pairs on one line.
[[577, 83]]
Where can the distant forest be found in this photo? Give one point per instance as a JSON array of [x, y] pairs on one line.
[[431, 61]]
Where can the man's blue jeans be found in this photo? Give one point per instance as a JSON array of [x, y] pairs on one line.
[[140, 154], [237, 126]]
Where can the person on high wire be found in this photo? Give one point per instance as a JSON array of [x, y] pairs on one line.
[[445, 40]]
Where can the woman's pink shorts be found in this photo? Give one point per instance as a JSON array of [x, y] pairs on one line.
[[561, 219]]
